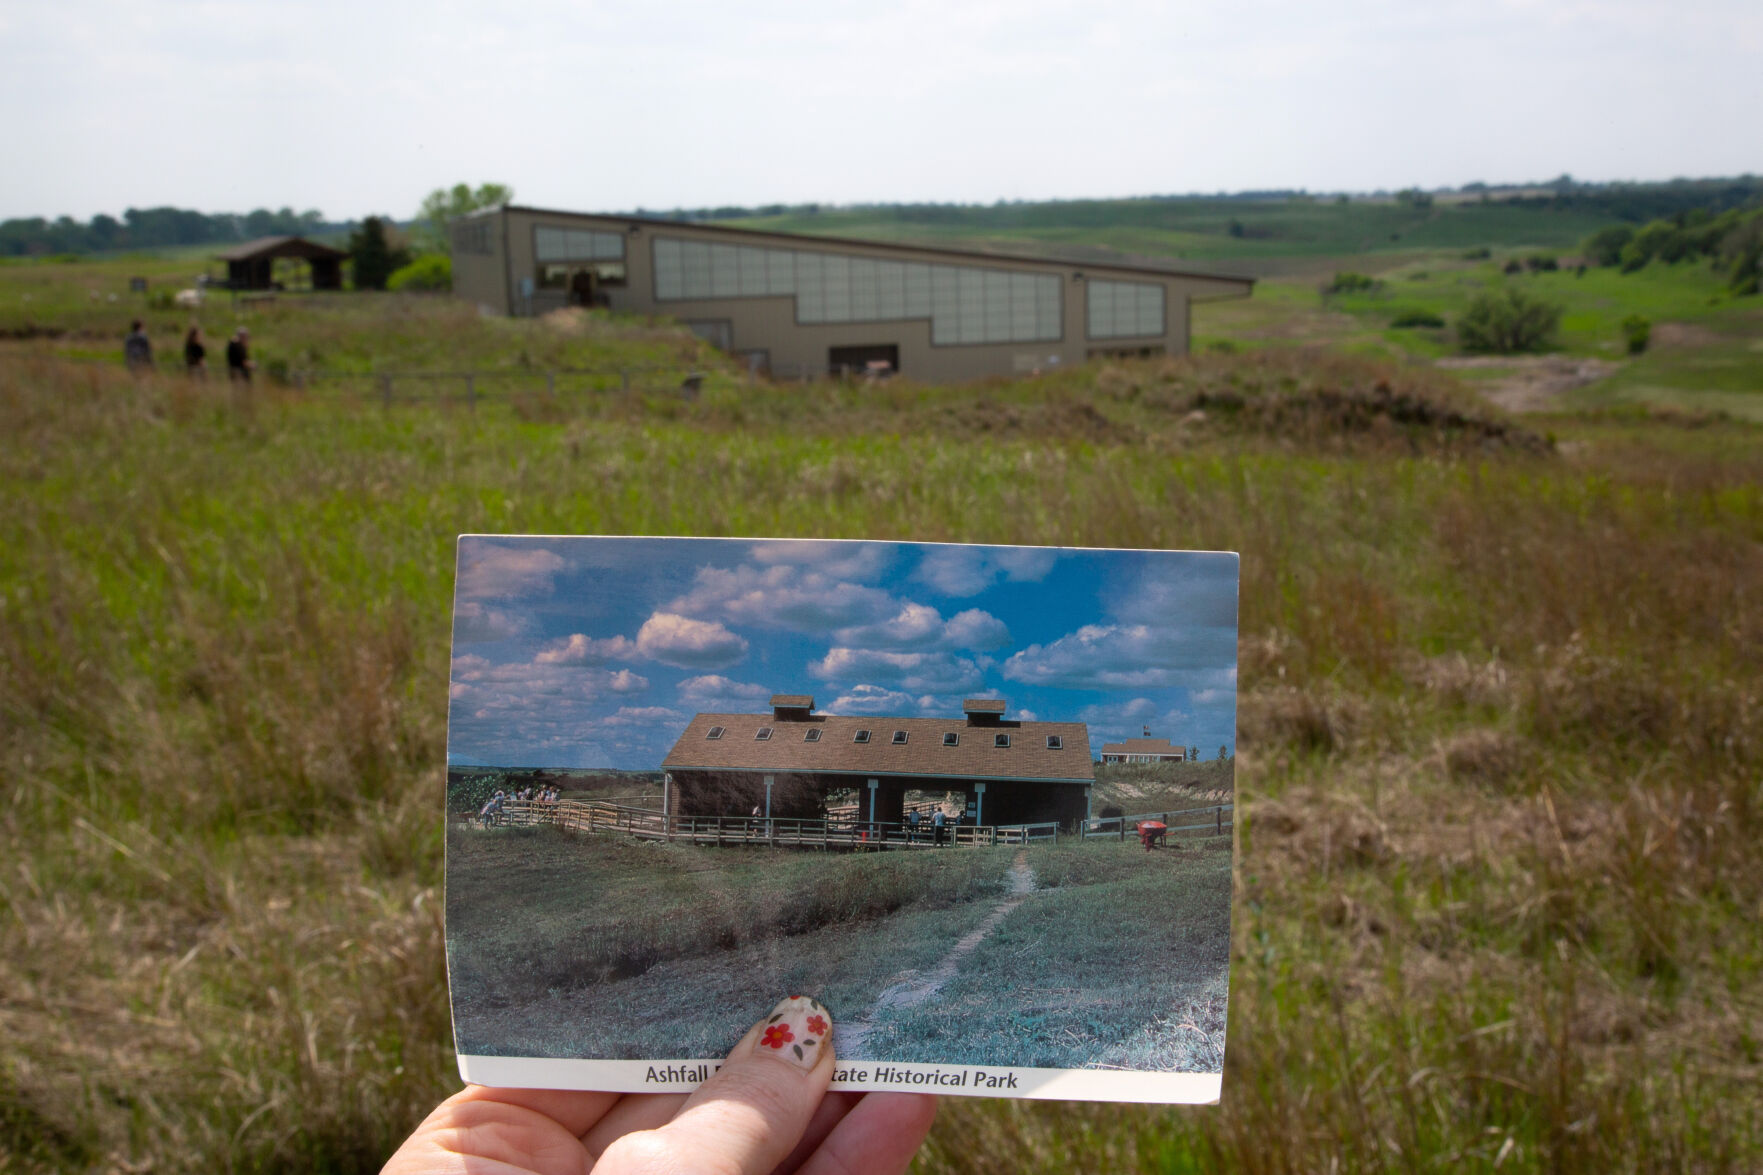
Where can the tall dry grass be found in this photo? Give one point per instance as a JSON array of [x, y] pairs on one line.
[[1500, 887]]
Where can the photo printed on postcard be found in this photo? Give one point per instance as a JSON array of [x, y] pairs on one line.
[[976, 801]]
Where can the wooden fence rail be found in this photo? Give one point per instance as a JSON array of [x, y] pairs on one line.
[[839, 831]]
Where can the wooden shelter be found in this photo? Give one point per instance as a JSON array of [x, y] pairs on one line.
[[251, 266]]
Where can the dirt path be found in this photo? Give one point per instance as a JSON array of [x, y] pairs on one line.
[[1533, 383], [911, 988]]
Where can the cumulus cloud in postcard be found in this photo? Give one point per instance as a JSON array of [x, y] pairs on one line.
[[919, 626], [839, 559], [686, 643], [967, 571], [488, 571], [915, 672], [474, 623], [1128, 656], [580, 649], [784, 595], [715, 693]]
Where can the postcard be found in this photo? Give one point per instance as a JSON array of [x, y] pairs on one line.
[[977, 800]]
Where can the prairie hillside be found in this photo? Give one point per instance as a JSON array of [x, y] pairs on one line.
[[1501, 842]]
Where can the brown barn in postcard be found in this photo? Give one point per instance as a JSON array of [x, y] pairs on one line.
[[788, 761]]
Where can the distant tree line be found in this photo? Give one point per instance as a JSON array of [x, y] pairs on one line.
[[153, 228], [1732, 237]]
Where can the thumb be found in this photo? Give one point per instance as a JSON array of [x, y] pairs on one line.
[[751, 1113]]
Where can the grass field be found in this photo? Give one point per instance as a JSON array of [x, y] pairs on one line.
[[578, 946], [1705, 357], [1501, 880]]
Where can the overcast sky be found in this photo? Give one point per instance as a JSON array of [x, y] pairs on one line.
[[580, 652], [358, 108]]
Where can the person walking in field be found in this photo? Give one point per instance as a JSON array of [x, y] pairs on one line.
[[238, 356], [137, 349], [195, 354]]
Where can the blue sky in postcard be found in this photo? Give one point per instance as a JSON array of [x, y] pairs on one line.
[[595, 652]]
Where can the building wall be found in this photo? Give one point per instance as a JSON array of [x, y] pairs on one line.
[[506, 279]]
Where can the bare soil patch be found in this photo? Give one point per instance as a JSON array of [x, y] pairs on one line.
[[1534, 383]]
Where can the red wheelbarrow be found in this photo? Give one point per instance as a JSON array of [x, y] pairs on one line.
[[1151, 832]]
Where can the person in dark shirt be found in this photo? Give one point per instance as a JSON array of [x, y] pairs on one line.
[[238, 356], [137, 349], [195, 354]]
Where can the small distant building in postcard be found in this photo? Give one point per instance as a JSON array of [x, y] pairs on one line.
[[1144, 750], [798, 305], [786, 762]]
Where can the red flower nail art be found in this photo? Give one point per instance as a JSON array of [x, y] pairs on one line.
[[817, 1025], [777, 1036]]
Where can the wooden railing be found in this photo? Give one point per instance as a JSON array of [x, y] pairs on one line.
[[1214, 820], [836, 831]]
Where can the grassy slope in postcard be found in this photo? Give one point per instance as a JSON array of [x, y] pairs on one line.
[[975, 799]]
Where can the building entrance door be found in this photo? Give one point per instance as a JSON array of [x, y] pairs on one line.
[[864, 360]]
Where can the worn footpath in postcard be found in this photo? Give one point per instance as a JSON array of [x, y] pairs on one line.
[[975, 800]]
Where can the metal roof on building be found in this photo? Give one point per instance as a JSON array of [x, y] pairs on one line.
[[282, 246], [975, 754], [1135, 265]]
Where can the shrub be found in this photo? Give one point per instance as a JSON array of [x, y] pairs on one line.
[[431, 271], [1636, 331], [1605, 246], [1541, 263], [1408, 318], [1352, 283], [1507, 322], [1479, 253], [1513, 266]]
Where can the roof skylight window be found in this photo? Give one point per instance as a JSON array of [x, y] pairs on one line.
[[1055, 742], [899, 738], [951, 739], [713, 732], [813, 735], [764, 733], [1000, 740], [861, 736]]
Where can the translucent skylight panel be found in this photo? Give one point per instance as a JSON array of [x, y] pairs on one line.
[[752, 262]]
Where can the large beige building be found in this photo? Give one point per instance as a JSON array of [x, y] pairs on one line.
[[800, 305]]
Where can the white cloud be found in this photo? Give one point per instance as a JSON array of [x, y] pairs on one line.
[[1122, 656], [922, 628], [841, 559], [474, 622], [642, 716], [626, 682], [580, 649], [782, 596], [685, 643], [488, 571], [875, 699], [919, 672], [967, 571], [712, 691]]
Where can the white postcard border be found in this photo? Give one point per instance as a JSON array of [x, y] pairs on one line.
[[682, 1076]]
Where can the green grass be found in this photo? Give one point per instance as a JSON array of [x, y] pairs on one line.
[[1502, 833], [1118, 963]]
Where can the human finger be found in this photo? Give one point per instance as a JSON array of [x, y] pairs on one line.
[[751, 1112], [832, 1107], [878, 1137], [642, 1111], [574, 1110]]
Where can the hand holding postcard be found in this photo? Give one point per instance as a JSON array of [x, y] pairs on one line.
[[976, 801]]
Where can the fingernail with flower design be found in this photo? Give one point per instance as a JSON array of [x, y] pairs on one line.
[[796, 1031]]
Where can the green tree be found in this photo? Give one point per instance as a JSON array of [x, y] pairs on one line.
[[1605, 246], [444, 205], [431, 271], [374, 254], [1507, 322]]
